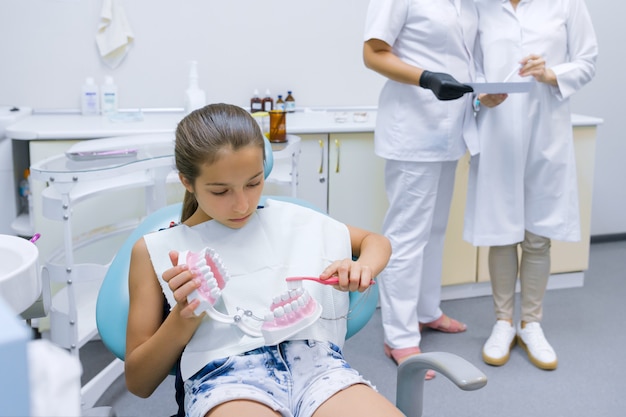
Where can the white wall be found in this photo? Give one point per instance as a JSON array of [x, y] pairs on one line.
[[310, 47], [47, 48], [604, 97]]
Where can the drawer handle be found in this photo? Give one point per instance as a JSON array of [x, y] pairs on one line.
[[321, 169]]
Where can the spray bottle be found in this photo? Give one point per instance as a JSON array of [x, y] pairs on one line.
[[194, 96]]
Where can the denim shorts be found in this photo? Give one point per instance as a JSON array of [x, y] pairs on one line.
[[293, 378]]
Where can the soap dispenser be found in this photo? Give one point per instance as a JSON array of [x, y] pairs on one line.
[[194, 96]]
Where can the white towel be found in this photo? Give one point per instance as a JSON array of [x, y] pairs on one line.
[[54, 376], [114, 37]]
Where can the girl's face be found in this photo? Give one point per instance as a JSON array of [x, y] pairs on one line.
[[229, 189]]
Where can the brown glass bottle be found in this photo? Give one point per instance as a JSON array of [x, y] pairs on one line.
[[267, 103], [280, 103], [290, 103], [255, 102]]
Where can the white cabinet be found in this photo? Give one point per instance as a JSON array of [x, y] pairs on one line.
[[339, 173], [356, 183], [313, 170]]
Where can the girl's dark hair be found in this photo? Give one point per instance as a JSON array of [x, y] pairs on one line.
[[202, 134]]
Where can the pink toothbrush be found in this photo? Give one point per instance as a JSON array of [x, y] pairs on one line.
[[294, 282]]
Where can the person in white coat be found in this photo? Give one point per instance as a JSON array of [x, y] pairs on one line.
[[522, 188], [419, 46]]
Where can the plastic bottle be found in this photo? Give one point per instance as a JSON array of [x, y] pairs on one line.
[[90, 99], [194, 96], [290, 103], [268, 101], [24, 191], [280, 103], [256, 103], [108, 95]]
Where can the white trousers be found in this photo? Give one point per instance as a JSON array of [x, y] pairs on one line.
[[419, 196]]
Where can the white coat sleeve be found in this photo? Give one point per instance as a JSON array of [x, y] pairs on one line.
[[385, 19], [582, 48]]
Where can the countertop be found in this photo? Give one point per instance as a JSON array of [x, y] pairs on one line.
[[75, 126], [59, 126]]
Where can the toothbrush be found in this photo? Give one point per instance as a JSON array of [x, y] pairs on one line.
[[294, 282]]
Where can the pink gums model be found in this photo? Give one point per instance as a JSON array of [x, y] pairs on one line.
[[289, 313], [214, 276]]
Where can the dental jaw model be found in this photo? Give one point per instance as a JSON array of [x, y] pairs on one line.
[[289, 313], [209, 266]]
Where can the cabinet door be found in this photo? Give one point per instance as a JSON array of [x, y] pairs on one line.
[[313, 170], [459, 257], [356, 186]]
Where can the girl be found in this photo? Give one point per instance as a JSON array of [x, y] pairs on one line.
[[219, 154]]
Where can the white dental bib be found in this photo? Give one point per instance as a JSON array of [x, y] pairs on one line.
[[281, 240]]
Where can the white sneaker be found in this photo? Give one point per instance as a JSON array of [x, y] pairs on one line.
[[539, 351], [498, 347]]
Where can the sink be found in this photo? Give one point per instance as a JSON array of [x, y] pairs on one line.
[[20, 284]]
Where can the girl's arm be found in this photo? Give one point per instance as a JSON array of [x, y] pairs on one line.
[[153, 345], [372, 250]]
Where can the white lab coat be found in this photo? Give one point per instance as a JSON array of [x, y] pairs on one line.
[[411, 123], [422, 138], [525, 175]]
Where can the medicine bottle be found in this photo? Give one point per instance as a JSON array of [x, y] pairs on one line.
[[255, 102], [108, 96], [24, 192], [90, 98], [268, 101], [290, 103], [280, 103]]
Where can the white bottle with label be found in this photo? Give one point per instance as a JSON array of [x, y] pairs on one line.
[[108, 95], [90, 98], [194, 96]]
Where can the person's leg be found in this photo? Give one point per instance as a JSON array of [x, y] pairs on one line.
[[534, 274], [357, 401], [412, 192], [429, 310], [243, 408], [503, 269]]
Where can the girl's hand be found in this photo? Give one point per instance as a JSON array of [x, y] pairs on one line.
[[353, 275], [535, 66], [491, 100], [182, 282]]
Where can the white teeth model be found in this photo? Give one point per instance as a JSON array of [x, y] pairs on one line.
[[213, 275], [290, 313]]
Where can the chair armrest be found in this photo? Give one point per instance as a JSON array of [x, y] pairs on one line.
[[411, 374]]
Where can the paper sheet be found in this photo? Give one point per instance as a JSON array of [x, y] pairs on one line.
[[500, 88]]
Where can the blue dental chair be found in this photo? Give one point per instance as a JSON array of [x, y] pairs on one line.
[[113, 301]]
